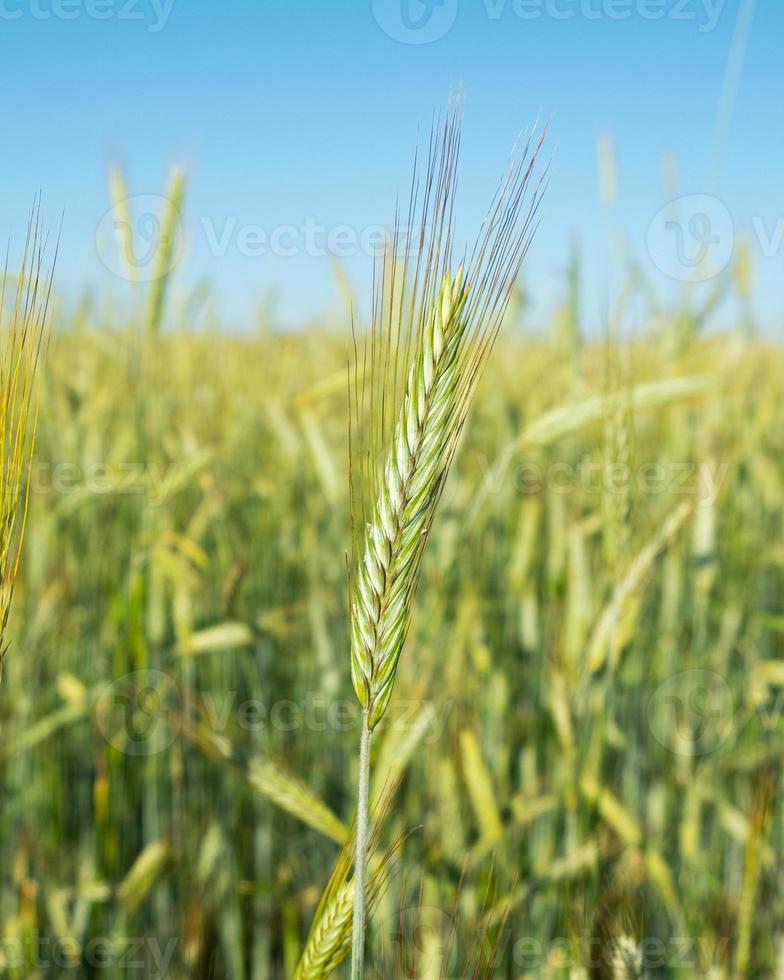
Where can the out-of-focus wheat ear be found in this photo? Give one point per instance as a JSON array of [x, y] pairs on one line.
[[626, 960], [329, 939], [268, 779], [166, 253], [24, 331], [123, 226]]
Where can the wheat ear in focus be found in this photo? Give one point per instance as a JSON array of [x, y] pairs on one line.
[[434, 323]]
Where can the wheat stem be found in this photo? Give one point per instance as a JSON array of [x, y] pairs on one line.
[[360, 861]]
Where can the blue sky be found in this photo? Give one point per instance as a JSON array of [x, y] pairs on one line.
[[288, 115]]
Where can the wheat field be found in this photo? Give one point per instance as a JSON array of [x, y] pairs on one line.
[[578, 771]]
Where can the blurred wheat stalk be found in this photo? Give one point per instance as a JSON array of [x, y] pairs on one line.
[[23, 331]]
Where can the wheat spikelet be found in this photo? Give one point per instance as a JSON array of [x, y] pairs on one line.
[[21, 345]]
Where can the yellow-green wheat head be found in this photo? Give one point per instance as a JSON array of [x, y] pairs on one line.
[[24, 307], [434, 323]]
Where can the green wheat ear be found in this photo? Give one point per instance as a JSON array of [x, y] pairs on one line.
[[432, 331], [414, 474], [23, 331]]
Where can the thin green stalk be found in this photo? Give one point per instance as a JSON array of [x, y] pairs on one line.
[[360, 861]]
